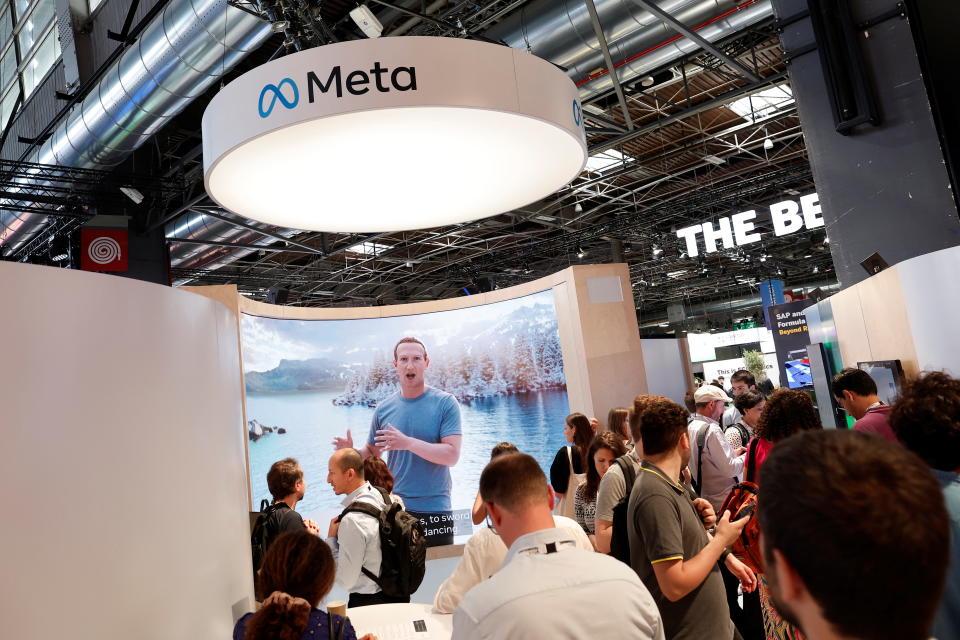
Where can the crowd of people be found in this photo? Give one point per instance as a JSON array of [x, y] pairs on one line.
[[858, 528]]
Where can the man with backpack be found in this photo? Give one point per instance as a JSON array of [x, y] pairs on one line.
[[356, 538], [287, 486]]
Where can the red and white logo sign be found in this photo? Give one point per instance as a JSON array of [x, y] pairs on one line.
[[103, 249]]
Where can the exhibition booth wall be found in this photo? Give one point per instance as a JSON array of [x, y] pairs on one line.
[[907, 312], [518, 360], [126, 449], [123, 460]]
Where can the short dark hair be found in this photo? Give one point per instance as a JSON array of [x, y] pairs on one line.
[[409, 340], [502, 448], [350, 459], [689, 402], [926, 418], [855, 380], [513, 481], [854, 514], [743, 376], [748, 400], [639, 402], [377, 473], [616, 419], [283, 477], [788, 411], [662, 423], [603, 440]]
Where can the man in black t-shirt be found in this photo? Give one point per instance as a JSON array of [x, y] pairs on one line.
[[287, 486]]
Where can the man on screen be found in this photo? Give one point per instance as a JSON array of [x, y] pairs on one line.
[[420, 426]]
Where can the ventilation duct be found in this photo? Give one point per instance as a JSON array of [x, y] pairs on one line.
[[561, 32], [180, 54]]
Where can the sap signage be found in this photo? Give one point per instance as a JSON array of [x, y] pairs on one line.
[[389, 134], [788, 216]]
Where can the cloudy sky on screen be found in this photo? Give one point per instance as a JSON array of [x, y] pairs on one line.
[[266, 341]]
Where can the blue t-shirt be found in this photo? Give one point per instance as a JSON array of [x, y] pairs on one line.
[[947, 623], [432, 416]]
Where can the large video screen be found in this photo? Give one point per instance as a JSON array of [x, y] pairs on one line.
[[309, 381]]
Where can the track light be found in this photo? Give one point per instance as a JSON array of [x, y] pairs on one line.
[[133, 194], [578, 208], [768, 144], [580, 252], [656, 251]]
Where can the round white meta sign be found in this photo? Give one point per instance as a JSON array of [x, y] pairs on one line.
[[391, 134]]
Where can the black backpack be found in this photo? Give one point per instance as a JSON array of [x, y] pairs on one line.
[[402, 544], [265, 529], [620, 536]]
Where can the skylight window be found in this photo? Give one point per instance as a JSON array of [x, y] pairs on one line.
[[606, 160], [762, 103], [368, 248]]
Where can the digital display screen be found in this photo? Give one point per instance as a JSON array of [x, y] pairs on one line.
[[310, 381], [799, 374]]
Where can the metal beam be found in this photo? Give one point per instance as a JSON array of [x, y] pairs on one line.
[[598, 30], [237, 245], [704, 44], [722, 99], [269, 234]]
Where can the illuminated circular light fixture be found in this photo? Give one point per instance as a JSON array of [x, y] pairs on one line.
[[392, 134]]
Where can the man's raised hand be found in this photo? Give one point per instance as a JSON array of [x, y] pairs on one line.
[[344, 443]]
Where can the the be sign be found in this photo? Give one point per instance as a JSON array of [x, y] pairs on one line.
[[737, 230]]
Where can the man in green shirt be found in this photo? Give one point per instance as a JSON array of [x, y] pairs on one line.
[[670, 549]]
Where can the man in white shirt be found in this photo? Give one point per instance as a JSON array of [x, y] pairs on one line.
[[355, 537], [483, 556], [721, 464], [548, 588]]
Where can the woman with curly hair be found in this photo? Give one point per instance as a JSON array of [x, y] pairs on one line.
[[787, 411], [604, 449], [296, 574]]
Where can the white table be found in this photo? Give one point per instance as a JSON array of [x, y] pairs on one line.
[[382, 620]]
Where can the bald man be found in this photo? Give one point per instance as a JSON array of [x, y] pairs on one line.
[[355, 538]]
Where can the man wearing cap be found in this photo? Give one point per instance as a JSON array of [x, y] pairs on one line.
[[714, 464]]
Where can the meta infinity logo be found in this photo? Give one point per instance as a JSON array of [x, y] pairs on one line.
[[277, 94], [577, 113], [356, 83]]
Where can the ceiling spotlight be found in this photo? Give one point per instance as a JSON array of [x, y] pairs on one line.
[[578, 208], [133, 194], [409, 265], [809, 255], [60, 257], [280, 25], [826, 239], [763, 258], [656, 251], [581, 252], [367, 22], [816, 269], [683, 254], [768, 144]]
